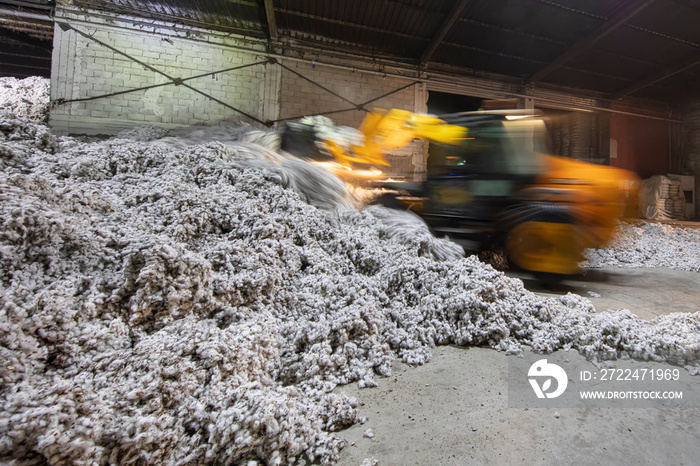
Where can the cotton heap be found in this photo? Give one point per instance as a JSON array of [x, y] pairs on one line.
[[650, 245], [195, 303]]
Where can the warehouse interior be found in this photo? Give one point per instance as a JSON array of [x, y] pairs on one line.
[[624, 74], [177, 290]]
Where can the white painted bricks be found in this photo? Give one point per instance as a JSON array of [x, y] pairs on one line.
[[83, 68]]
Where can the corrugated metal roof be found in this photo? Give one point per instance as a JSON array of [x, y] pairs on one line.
[[539, 18], [237, 16], [605, 83], [520, 39], [614, 64], [387, 27], [670, 20], [506, 40]]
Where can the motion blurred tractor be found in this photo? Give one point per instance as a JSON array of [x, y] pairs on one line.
[[489, 184]]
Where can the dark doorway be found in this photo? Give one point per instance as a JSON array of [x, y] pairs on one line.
[[441, 103]]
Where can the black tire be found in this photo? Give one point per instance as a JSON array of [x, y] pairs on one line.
[[389, 200], [549, 279]]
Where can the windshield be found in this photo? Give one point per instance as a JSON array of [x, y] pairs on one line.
[[526, 142], [500, 146]]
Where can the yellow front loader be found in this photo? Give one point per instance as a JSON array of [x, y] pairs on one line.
[[490, 183]]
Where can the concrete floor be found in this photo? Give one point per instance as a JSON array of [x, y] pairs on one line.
[[648, 293], [454, 410]]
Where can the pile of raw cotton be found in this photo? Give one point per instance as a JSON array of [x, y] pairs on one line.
[[28, 97], [650, 245], [184, 304]]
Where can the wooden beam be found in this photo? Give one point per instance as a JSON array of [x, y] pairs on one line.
[[452, 17], [675, 68], [271, 23], [621, 16]]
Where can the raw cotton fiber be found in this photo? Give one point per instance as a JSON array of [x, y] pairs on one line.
[[650, 245], [169, 302], [28, 97]]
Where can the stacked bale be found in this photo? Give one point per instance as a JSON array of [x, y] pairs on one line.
[[672, 197], [661, 198]]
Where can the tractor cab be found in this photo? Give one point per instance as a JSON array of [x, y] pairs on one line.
[[468, 184]]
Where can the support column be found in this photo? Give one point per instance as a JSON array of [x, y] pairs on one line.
[[420, 152], [420, 102], [527, 103], [690, 161], [270, 92], [605, 145]]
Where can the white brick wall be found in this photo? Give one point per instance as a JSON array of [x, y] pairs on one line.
[[300, 97], [84, 68]]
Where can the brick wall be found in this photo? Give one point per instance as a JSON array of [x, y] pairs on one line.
[[298, 97], [84, 68]]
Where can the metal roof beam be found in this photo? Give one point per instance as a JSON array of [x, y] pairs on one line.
[[271, 23], [244, 3], [18, 66], [38, 6], [452, 17], [392, 3], [531, 60], [25, 14], [621, 16], [630, 26], [23, 55], [675, 68], [352, 25], [528, 35], [25, 38]]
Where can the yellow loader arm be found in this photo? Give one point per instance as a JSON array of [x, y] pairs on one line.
[[387, 131]]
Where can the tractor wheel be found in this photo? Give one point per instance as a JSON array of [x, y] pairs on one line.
[[547, 243], [389, 200], [548, 279]]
